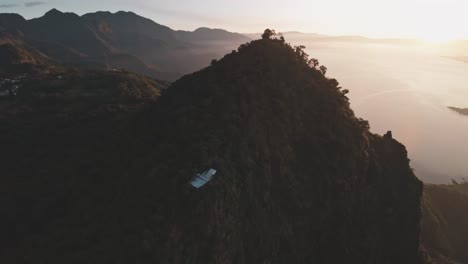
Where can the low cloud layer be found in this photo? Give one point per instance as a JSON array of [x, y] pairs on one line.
[[8, 5], [26, 4], [33, 3]]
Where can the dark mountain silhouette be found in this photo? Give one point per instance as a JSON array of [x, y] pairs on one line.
[[122, 39], [444, 230], [11, 21], [300, 179], [133, 34], [96, 169], [65, 29], [203, 34]]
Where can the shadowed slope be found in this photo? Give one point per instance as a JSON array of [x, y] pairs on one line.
[[299, 178], [444, 231]]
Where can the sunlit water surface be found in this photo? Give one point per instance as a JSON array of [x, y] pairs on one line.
[[406, 90]]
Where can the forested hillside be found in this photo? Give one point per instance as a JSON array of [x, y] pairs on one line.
[[97, 168]]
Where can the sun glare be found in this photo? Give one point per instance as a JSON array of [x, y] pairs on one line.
[[438, 39], [438, 35]]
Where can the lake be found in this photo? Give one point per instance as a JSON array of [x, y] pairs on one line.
[[405, 89]]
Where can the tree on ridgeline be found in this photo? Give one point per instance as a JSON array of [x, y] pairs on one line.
[[314, 63], [268, 34], [323, 69]]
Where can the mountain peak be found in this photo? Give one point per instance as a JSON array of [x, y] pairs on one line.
[[127, 14], [285, 142], [206, 29], [53, 12]]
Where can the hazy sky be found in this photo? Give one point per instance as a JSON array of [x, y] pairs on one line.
[[427, 19]]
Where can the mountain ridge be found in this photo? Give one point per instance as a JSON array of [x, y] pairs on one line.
[[269, 123], [92, 38]]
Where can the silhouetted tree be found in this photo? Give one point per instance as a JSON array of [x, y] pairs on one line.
[[314, 62], [364, 124], [268, 33], [301, 54], [335, 83], [299, 49], [323, 69], [241, 47]]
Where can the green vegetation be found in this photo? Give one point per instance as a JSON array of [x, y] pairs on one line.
[[96, 168], [300, 178]]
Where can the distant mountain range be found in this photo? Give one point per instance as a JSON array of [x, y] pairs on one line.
[[293, 35], [113, 40], [105, 40]]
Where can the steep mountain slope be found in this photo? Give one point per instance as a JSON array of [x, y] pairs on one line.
[[117, 27], [18, 57], [122, 39], [300, 178], [66, 29], [444, 230], [155, 44], [70, 39]]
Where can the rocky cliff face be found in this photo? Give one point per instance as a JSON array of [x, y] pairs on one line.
[[300, 178]]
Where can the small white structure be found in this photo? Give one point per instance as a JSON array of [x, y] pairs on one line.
[[200, 180]]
